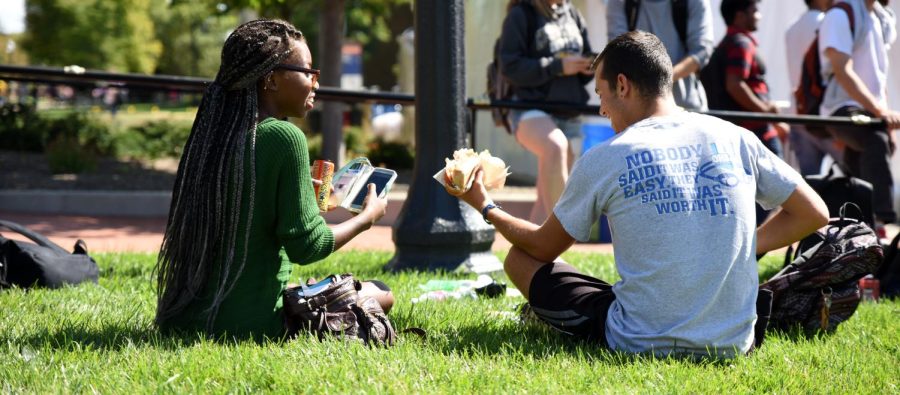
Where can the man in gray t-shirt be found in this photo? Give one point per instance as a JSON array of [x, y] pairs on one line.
[[679, 190]]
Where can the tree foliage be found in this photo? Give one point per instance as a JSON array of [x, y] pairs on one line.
[[192, 37], [366, 20], [112, 35]]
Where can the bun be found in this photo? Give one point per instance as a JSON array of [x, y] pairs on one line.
[[459, 172]]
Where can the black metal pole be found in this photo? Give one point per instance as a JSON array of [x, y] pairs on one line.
[[59, 75], [435, 230]]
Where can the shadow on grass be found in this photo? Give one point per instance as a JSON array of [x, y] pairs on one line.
[[539, 342], [118, 337], [797, 334], [109, 337]]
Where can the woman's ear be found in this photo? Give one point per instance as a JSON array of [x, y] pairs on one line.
[[269, 83]]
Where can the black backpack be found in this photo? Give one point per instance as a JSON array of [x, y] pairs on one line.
[[819, 289], [837, 188], [498, 87], [679, 16], [811, 91], [44, 264]]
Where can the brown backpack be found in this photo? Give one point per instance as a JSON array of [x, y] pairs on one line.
[[336, 309], [820, 288]]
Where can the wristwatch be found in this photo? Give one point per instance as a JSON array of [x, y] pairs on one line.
[[487, 208]]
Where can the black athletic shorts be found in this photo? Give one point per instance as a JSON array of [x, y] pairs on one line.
[[570, 301]]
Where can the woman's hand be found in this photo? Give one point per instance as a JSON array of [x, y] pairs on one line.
[[374, 207], [575, 64], [332, 203]]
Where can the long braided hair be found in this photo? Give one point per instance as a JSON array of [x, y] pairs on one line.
[[198, 249]]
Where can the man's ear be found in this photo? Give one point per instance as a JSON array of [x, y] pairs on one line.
[[623, 86]]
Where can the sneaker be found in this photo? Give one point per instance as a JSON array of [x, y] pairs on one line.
[[527, 316]]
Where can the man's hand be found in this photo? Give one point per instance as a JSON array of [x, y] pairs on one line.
[[477, 195], [891, 118]]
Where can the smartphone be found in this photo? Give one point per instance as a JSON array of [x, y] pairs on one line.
[[315, 289], [383, 180]]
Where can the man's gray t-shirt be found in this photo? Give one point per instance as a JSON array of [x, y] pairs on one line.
[[679, 193]]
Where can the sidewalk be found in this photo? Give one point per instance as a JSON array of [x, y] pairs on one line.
[[136, 220], [136, 234]]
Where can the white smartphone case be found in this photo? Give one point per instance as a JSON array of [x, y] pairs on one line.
[[351, 179]]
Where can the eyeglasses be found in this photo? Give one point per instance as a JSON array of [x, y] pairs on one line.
[[310, 73]]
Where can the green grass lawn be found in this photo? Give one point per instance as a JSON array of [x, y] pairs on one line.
[[99, 338]]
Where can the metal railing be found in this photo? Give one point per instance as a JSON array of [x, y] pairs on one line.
[[76, 75]]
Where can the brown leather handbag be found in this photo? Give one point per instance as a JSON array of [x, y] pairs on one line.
[[333, 308]]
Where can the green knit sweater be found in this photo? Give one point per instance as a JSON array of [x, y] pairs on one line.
[[286, 228]]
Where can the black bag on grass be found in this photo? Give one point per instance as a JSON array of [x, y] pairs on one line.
[[820, 288], [44, 264], [334, 308]]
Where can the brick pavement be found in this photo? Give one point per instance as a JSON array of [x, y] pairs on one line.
[[145, 234]]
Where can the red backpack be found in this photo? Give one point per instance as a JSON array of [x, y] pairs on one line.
[[811, 91]]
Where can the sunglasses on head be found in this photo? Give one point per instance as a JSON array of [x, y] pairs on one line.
[[310, 73]]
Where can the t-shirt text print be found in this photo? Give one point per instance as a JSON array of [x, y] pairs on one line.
[[682, 179]]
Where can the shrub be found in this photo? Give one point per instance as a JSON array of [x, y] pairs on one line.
[[21, 128], [314, 146], [91, 135], [390, 154], [355, 141], [66, 154], [156, 139]]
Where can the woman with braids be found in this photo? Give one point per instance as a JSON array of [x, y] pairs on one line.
[[243, 209]]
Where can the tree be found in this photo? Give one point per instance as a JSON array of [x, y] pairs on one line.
[[109, 35], [192, 38], [10, 51]]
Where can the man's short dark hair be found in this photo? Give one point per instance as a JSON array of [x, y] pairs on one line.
[[731, 7], [642, 58], [808, 2]]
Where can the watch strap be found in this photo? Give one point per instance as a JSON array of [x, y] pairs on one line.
[[488, 207]]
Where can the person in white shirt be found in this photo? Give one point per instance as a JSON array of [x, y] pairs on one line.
[[858, 64], [809, 149]]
